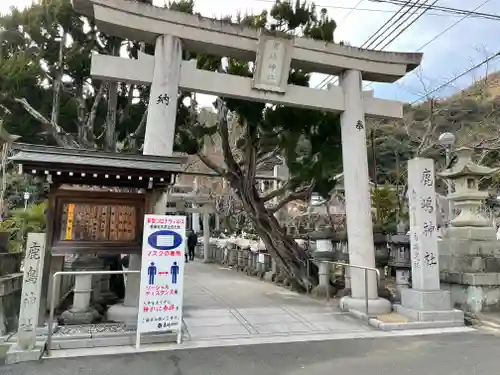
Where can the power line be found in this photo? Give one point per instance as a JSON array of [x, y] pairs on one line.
[[369, 42], [377, 34], [441, 9], [401, 24], [451, 26], [352, 10], [440, 12], [458, 77], [442, 33], [407, 26], [381, 31]]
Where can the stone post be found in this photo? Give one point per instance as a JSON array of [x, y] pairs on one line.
[[81, 312], [358, 200], [196, 222], [271, 274], [206, 238], [425, 301], [162, 109], [217, 222], [133, 282], [31, 291], [158, 141]]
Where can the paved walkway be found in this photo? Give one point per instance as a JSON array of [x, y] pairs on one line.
[[222, 303]]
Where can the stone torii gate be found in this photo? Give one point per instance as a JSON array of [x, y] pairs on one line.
[[274, 53]]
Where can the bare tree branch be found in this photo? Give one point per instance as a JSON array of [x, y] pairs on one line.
[[276, 192], [62, 138], [264, 157], [301, 194], [89, 126], [222, 113], [210, 164]]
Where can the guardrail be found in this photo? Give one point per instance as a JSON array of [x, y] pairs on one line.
[[52, 299], [366, 269]]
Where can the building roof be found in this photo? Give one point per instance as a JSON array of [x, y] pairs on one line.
[[92, 167]]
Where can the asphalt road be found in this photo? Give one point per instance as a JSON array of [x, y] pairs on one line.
[[450, 354]]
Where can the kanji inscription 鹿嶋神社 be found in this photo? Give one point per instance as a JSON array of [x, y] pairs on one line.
[[423, 229]]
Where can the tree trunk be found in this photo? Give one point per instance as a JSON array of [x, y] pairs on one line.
[[284, 250], [56, 96], [110, 143]]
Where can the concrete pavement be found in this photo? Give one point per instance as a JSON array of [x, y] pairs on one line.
[[445, 354], [222, 303]]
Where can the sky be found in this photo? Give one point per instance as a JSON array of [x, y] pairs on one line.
[[447, 53]]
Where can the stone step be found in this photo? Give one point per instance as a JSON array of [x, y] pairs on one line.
[[110, 339]]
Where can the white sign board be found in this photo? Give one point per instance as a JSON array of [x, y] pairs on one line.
[[31, 291], [423, 229], [162, 275]]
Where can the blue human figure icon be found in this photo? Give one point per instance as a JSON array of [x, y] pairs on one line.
[[152, 273], [174, 270]]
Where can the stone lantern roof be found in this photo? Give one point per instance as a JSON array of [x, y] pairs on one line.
[[467, 197], [465, 167]]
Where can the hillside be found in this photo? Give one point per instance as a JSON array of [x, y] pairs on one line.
[[472, 115]]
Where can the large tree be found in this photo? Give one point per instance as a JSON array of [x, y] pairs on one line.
[[308, 141], [46, 93], [56, 94]]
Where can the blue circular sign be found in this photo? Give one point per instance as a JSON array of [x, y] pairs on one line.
[[165, 240]]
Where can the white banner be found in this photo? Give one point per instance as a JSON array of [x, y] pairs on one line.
[[162, 275]]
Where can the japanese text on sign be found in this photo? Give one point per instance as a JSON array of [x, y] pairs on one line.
[[162, 273]]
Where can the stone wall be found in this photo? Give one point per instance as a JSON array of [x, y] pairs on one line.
[[10, 291]]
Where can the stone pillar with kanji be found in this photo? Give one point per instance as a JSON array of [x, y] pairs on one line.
[[27, 348], [425, 302]]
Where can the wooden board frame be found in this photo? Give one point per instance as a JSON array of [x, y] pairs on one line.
[[59, 197]]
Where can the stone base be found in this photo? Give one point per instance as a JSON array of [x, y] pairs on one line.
[[474, 298], [398, 322], [270, 276], [431, 315], [108, 298], [72, 316], [16, 355], [376, 306], [323, 291], [429, 306], [426, 300], [43, 330], [470, 233], [123, 314]]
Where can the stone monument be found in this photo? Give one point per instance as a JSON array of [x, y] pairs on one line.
[[425, 301], [26, 347], [469, 252]]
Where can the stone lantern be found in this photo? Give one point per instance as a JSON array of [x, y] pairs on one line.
[[400, 260], [469, 253], [467, 198]]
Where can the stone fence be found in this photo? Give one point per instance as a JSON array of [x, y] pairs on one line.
[[259, 263]]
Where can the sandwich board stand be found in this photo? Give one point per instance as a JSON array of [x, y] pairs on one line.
[[162, 275]]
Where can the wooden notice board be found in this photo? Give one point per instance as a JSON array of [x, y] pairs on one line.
[[97, 222]]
